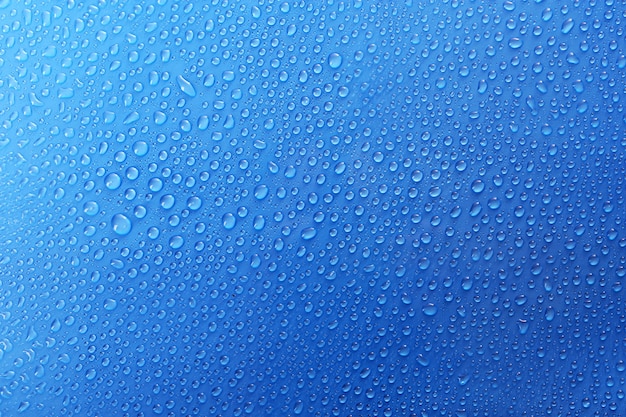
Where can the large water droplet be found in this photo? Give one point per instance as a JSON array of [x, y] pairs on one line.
[[113, 181], [261, 191], [91, 208], [229, 221], [186, 86], [121, 224], [110, 304], [335, 60], [430, 309], [258, 222], [309, 233]]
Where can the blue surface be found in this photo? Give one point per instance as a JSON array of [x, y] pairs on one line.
[[317, 208]]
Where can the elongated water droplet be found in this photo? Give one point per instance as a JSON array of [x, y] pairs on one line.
[[186, 86]]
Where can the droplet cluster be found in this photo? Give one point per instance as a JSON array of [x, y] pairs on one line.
[[325, 208]]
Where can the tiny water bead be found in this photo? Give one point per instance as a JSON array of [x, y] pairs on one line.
[[341, 207]]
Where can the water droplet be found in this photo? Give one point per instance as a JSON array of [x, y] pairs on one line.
[[186, 86], [110, 304], [567, 26], [91, 208], [482, 86], [168, 201], [176, 242], [261, 191], [140, 212], [309, 233], [478, 186], [113, 181], [258, 222], [121, 224], [203, 122], [23, 406], [155, 184], [429, 309], [131, 118], [159, 118], [464, 379], [153, 232], [516, 43], [66, 92], [334, 60], [194, 203], [140, 148], [229, 221]]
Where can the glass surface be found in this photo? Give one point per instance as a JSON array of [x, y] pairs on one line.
[[316, 208]]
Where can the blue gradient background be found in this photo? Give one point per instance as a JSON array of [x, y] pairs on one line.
[[333, 208]]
